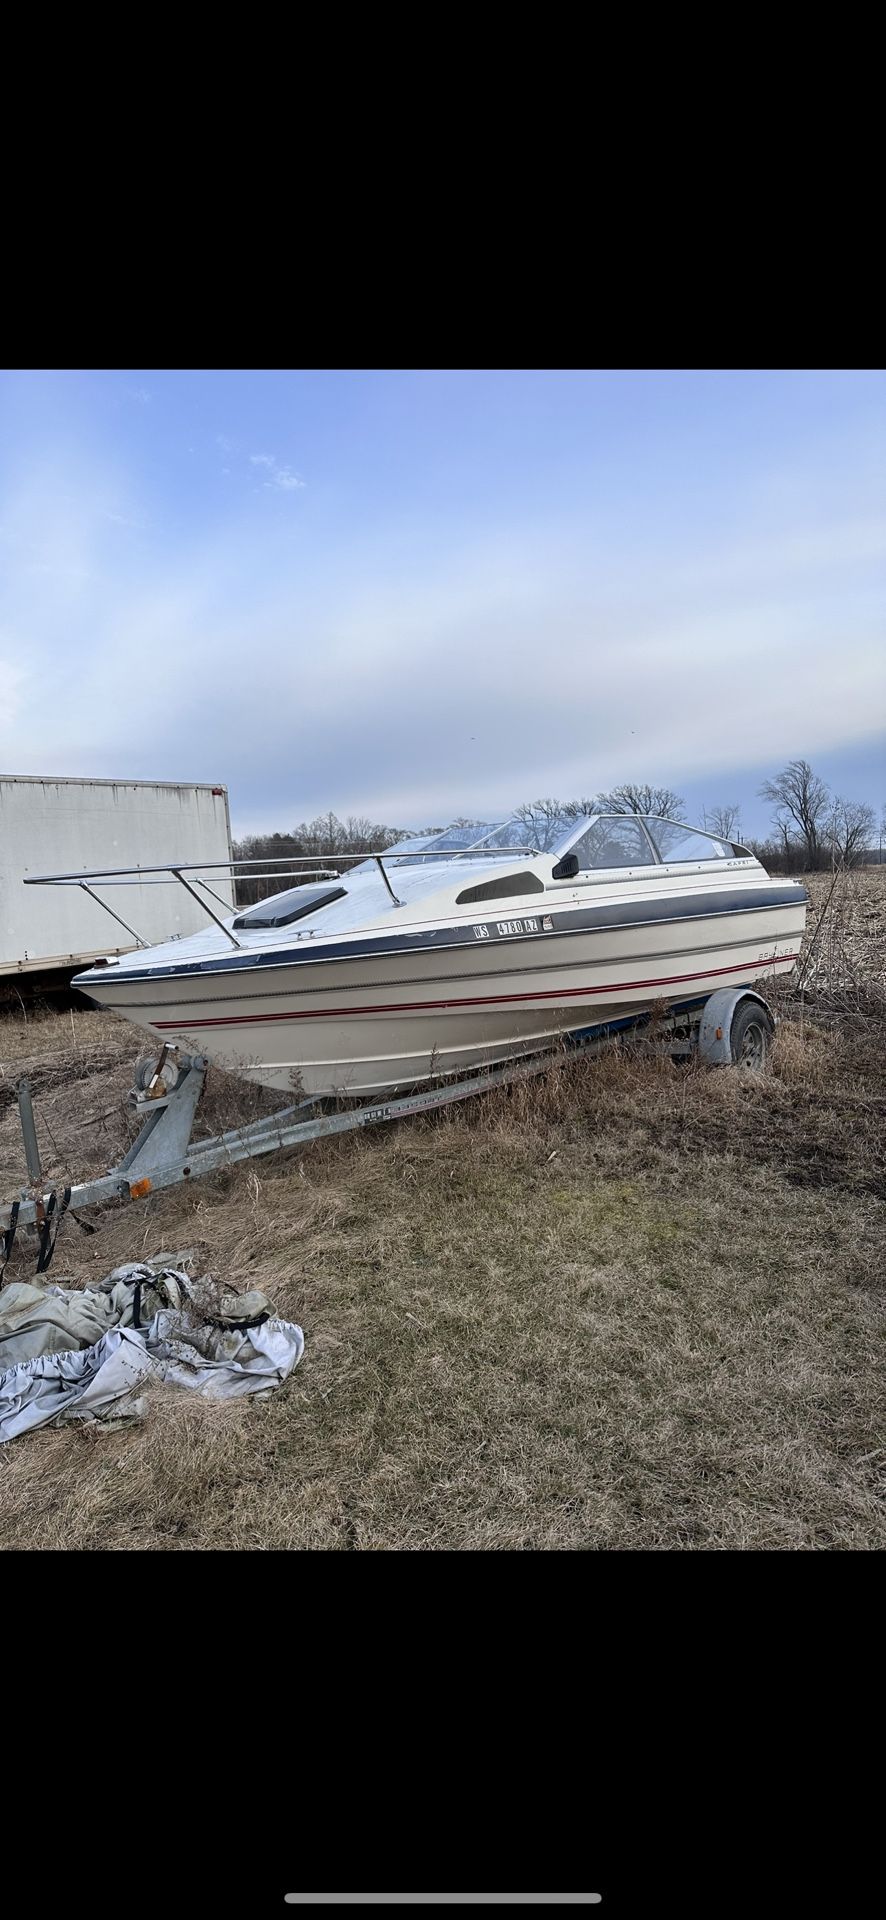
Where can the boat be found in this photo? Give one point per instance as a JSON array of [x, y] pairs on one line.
[[455, 950]]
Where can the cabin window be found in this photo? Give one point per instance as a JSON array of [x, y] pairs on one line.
[[686, 843], [504, 887], [616, 842], [283, 908]]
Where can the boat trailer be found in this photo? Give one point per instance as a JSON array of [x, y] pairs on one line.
[[168, 1089]]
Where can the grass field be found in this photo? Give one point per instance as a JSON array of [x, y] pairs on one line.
[[631, 1305]]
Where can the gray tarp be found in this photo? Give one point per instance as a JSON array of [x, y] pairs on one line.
[[80, 1354]]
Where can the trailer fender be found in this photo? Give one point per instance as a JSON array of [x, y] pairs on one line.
[[715, 1026]]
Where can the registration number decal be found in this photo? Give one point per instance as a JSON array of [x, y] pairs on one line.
[[506, 928]]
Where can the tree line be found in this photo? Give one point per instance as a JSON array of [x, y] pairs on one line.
[[325, 835], [811, 828]]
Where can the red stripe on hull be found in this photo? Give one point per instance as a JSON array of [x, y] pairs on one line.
[[483, 1000]]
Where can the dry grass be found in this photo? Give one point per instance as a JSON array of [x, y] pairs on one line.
[[844, 960], [631, 1305]]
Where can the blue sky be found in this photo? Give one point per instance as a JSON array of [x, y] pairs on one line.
[[417, 594]]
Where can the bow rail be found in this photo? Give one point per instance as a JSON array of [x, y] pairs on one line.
[[294, 869]]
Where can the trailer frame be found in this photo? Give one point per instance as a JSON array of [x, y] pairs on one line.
[[168, 1089]]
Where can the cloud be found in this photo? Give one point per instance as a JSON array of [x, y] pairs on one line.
[[278, 476], [503, 671], [411, 668], [140, 394]]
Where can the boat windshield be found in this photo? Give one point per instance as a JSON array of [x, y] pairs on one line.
[[599, 841], [454, 839], [677, 842], [531, 830], [535, 829]]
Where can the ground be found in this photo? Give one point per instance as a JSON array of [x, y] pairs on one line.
[[630, 1305]]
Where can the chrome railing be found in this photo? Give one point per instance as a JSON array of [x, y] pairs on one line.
[[294, 866]]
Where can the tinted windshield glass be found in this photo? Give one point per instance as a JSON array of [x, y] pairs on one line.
[[686, 843]]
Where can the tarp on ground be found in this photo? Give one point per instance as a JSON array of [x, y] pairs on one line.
[[84, 1353]]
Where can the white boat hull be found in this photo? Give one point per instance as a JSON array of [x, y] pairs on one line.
[[368, 1024]]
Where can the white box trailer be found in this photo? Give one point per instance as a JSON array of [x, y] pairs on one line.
[[67, 826]]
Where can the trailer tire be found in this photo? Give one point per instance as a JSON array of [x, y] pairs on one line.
[[750, 1036]]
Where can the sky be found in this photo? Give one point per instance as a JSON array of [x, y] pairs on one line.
[[413, 595]]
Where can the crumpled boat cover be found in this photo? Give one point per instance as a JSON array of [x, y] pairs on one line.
[[82, 1354]]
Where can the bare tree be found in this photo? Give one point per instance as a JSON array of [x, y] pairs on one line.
[[633, 799], [784, 827], [326, 835], [545, 819], [799, 794], [852, 830], [725, 822]]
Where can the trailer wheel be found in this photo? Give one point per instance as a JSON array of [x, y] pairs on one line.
[[750, 1036]]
